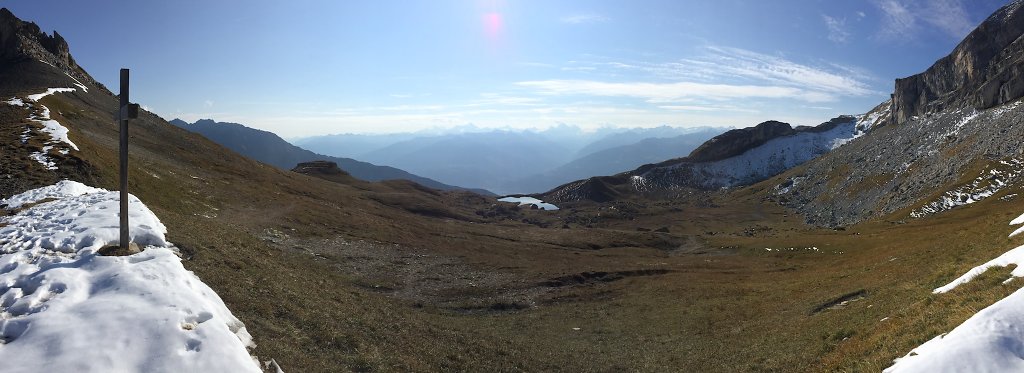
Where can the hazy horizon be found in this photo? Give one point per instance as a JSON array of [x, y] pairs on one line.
[[311, 68]]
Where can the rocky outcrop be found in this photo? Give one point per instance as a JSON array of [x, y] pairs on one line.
[[319, 168], [986, 69], [20, 40], [737, 141]]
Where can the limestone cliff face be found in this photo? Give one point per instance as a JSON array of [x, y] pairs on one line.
[[986, 69], [21, 40]]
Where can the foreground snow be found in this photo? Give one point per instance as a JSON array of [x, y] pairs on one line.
[[65, 309], [990, 341]]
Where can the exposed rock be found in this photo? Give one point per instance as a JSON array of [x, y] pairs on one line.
[[983, 71], [899, 166], [21, 40], [735, 158], [737, 141], [319, 168]]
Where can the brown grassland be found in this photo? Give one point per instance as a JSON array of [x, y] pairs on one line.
[[340, 274]]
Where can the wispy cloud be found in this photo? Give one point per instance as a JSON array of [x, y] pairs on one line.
[[709, 108], [904, 20], [836, 29], [752, 74], [949, 16], [576, 19], [671, 92]]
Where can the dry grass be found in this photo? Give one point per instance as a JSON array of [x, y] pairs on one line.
[[719, 300]]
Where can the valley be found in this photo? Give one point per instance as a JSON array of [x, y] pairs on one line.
[[774, 247]]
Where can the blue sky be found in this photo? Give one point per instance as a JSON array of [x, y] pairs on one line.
[[302, 68]]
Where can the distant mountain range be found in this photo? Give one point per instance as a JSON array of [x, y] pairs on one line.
[[610, 161], [271, 149], [507, 161]]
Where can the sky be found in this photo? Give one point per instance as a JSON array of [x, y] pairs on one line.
[[304, 68]]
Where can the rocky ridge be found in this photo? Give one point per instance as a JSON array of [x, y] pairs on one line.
[[736, 158], [20, 40]]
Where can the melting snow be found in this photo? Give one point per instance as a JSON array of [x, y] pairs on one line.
[[78, 83], [869, 120], [639, 183], [529, 201], [58, 133], [990, 341], [49, 91], [988, 183], [63, 308], [775, 156]]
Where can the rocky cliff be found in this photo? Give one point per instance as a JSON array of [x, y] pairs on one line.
[[956, 142], [24, 42], [986, 69]]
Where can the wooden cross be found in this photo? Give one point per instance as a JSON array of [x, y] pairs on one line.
[[125, 112]]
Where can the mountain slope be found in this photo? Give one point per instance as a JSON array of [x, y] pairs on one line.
[[735, 158], [952, 138], [269, 148], [327, 276]]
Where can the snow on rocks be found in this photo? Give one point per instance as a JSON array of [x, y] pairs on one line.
[[58, 133], [990, 341], [773, 157], [63, 308], [49, 91], [990, 182]]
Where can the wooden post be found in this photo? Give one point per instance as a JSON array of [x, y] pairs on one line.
[[124, 157], [125, 111]]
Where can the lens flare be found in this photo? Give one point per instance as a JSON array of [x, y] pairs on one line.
[[493, 26]]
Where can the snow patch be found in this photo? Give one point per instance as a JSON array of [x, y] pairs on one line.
[[775, 156], [639, 183], [58, 133], [63, 308], [529, 201], [869, 120], [78, 83], [990, 341], [990, 182], [49, 91]]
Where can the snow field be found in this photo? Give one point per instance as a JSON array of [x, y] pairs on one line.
[[63, 308]]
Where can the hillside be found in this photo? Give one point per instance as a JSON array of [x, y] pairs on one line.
[[770, 248], [269, 148], [738, 157]]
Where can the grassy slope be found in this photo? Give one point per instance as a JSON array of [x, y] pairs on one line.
[[726, 305]]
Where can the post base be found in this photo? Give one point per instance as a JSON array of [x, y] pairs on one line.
[[115, 250]]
